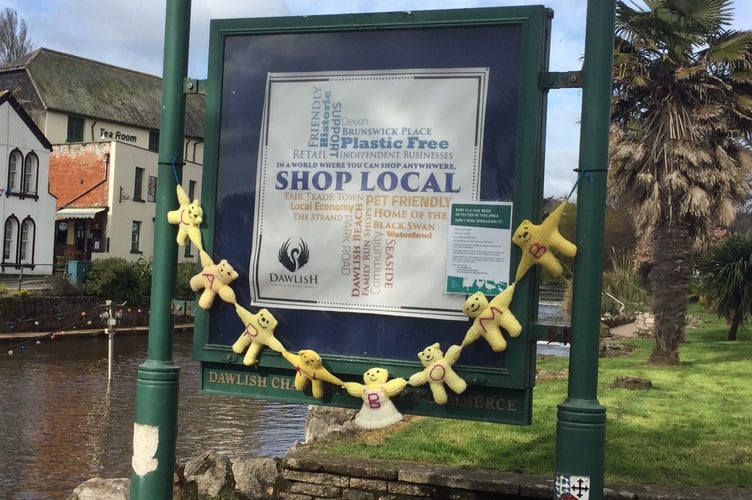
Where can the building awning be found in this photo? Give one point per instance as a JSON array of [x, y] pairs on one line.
[[78, 213]]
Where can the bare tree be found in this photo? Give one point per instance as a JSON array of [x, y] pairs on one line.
[[14, 40]]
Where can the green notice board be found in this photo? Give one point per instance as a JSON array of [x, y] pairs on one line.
[[336, 149]]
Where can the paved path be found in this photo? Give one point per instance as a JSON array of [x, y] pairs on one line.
[[624, 331]]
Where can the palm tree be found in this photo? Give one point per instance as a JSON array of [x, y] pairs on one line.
[[726, 279], [681, 129]]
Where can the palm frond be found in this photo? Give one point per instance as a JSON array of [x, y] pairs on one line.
[[696, 203], [701, 16], [732, 46]]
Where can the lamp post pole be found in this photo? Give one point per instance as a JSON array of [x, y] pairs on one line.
[[155, 426], [581, 420], [110, 331]]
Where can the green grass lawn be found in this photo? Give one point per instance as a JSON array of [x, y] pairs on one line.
[[693, 427]]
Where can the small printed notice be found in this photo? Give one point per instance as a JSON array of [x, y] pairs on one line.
[[480, 241], [356, 173]]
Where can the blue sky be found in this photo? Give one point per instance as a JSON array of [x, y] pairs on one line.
[[130, 34]]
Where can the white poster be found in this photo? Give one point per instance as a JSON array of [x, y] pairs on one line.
[[479, 247], [357, 171]]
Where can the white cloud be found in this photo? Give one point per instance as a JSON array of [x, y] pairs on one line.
[[131, 34]]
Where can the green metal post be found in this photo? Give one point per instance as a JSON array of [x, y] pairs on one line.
[[155, 427], [581, 420]]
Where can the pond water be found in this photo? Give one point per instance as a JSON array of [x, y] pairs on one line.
[[552, 313], [60, 424]]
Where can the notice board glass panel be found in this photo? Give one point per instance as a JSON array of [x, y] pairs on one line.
[[434, 107]]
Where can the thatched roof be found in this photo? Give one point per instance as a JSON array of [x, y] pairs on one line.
[[79, 86]]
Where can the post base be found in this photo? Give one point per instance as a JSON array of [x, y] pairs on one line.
[[580, 449], [155, 430]]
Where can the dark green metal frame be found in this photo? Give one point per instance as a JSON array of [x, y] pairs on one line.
[[486, 386]]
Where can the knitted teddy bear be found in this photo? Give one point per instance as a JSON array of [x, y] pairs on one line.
[[259, 332], [438, 371], [214, 279], [308, 367], [188, 218], [537, 241], [378, 410], [490, 317]]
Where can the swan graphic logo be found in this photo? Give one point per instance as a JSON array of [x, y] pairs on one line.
[[293, 256]]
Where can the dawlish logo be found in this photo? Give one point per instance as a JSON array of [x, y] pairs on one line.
[[293, 256]]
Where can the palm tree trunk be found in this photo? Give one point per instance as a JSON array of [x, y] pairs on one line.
[[735, 322], [672, 270]]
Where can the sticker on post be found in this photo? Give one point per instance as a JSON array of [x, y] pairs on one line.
[[145, 445], [568, 487]]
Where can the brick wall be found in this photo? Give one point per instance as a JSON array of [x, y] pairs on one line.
[[79, 170]]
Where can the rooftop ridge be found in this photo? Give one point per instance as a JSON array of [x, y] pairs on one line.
[[25, 61]]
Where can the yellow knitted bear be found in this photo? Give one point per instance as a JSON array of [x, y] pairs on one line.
[[377, 410], [489, 317], [308, 366], [537, 241], [188, 218], [213, 279], [259, 332], [438, 371]]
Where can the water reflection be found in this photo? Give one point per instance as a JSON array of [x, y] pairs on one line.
[[552, 313], [60, 424]]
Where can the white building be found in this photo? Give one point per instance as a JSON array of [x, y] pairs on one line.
[[26, 205], [103, 124]]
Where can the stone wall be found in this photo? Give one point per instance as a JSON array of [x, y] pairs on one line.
[[32, 313], [644, 324], [50, 314], [307, 474]]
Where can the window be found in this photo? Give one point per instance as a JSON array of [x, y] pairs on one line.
[[153, 141], [14, 167], [9, 239], [26, 248], [75, 129], [135, 236], [151, 189], [31, 169], [138, 184]]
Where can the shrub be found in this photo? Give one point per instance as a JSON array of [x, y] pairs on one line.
[[623, 283], [186, 270], [725, 279], [143, 268], [119, 280], [60, 286]]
